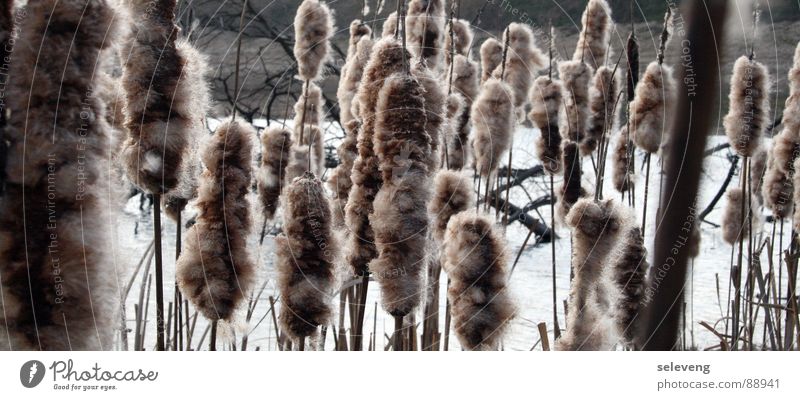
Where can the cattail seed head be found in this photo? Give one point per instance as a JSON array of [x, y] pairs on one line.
[[348, 84], [476, 264], [746, 120], [630, 278], [493, 122], [313, 29], [523, 61], [425, 24], [595, 35], [732, 217], [651, 114], [572, 190], [462, 35], [435, 103], [312, 114], [576, 77], [785, 150], [466, 82], [452, 193], [306, 255], [58, 294], [491, 57], [276, 144], [358, 30], [546, 99], [596, 227], [778, 192], [602, 108], [632, 57], [214, 270], [160, 112], [339, 181], [623, 173], [389, 25]]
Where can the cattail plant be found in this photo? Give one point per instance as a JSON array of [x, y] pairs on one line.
[[455, 109], [214, 270], [313, 29], [306, 259], [387, 57], [596, 228], [276, 144], [491, 57], [339, 181], [389, 25], [299, 161], [351, 77], [475, 261], [749, 109], [650, 112], [400, 220], [425, 32], [358, 30], [466, 82], [461, 39], [734, 226], [493, 122], [602, 108], [576, 76], [595, 35], [435, 103], [160, 115], [632, 57], [452, 194], [523, 61], [572, 189], [546, 98], [630, 274], [622, 173], [58, 290]]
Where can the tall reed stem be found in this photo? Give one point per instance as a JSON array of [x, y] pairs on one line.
[[556, 329], [159, 273], [212, 344]]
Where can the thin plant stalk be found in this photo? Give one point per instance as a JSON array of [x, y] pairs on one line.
[[159, 273]]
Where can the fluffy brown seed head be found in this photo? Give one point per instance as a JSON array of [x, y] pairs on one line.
[[386, 59], [400, 224], [298, 162], [576, 76], [193, 89], [313, 29], [452, 194], [425, 25], [572, 190], [651, 114], [630, 278], [400, 141], [493, 122], [623, 173], [546, 99], [389, 25], [351, 79], [463, 35], [306, 254], [603, 107], [312, 114], [358, 30], [214, 270], [276, 143], [523, 61], [63, 297], [339, 181], [732, 226], [758, 167], [466, 81], [595, 229], [450, 130], [632, 59], [491, 57], [791, 113], [749, 109], [475, 259], [595, 34], [435, 97], [160, 112], [785, 150], [778, 191]]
